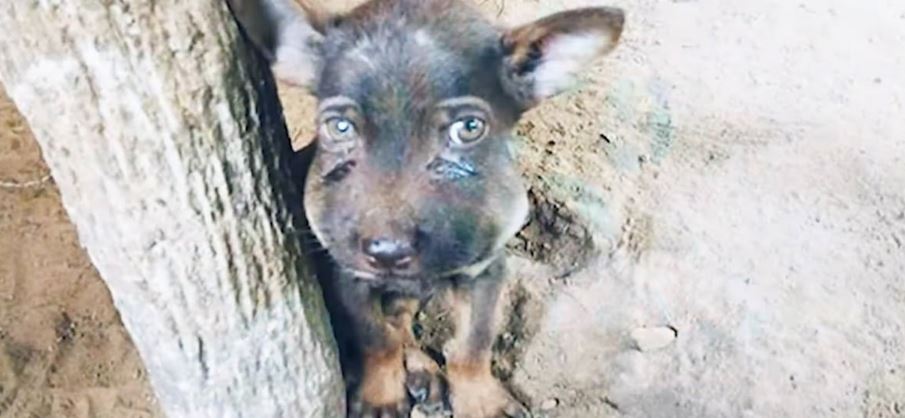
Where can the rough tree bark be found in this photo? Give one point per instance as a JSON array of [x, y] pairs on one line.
[[165, 137]]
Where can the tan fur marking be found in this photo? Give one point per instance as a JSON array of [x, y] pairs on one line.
[[399, 314], [383, 382], [457, 347], [475, 393], [470, 369]]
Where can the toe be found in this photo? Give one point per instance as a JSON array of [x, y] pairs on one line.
[[426, 389], [424, 381], [418, 385], [359, 408], [396, 411], [400, 410], [355, 409]]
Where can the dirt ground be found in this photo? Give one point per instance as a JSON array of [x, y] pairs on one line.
[[719, 230], [63, 350]]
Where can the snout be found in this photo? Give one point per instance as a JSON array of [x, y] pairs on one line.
[[388, 253]]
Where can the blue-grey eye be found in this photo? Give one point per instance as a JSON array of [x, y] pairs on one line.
[[339, 129], [467, 130]]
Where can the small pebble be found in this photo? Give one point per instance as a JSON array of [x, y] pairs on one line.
[[549, 404], [653, 338]]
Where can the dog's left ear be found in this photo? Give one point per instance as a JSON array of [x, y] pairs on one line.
[[544, 58], [288, 33]]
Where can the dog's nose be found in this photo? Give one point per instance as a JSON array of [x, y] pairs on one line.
[[388, 253]]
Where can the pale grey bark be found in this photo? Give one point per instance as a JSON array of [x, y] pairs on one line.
[[170, 163]]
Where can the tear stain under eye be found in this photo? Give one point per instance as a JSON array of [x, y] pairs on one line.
[[340, 171], [452, 170]]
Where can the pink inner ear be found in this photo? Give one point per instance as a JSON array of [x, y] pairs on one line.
[[547, 56], [606, 21], [565, 56]]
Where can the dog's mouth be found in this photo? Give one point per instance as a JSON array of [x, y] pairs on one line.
[[471, 269], [382, 275]]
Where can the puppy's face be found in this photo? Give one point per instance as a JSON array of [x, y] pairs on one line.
[[413, 178]]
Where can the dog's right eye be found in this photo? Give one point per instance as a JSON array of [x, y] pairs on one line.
[[339, 129], [338, 134]]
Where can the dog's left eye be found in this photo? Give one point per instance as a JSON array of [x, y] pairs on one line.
[[467, 130]]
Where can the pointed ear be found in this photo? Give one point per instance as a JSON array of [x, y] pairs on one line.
[[288, 33], [544, 58]]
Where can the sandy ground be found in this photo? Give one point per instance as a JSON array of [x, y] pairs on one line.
[[720, 230], [63, 350]]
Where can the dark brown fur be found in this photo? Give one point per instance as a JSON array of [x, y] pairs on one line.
[[406, 210]]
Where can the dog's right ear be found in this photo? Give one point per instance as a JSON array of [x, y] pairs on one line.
[[288, 33]]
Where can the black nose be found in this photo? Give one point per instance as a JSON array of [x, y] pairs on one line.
[[387, 253]]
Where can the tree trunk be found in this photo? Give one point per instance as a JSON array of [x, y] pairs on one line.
[[165, 137]]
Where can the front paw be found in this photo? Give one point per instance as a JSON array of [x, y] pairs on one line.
[[381, 393], [482, 396], [380, 404], [423, 381], [363, 409]]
